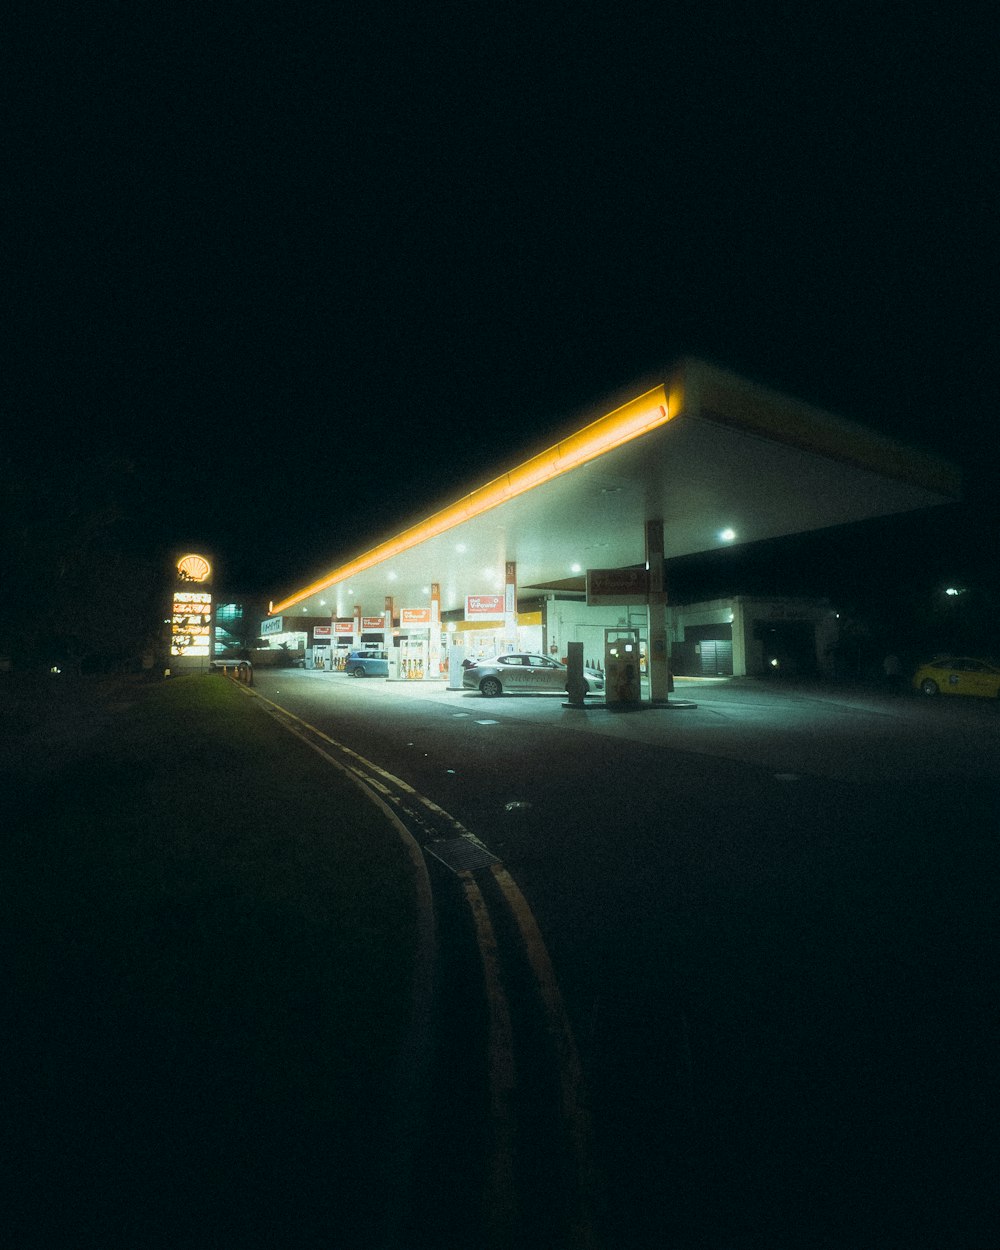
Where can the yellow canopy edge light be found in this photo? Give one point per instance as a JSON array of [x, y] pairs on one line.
[[639, 416]]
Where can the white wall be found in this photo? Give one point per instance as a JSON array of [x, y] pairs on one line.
[[573, 621], [570, 620]]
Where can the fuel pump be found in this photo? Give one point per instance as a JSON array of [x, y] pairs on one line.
[[622, 682]]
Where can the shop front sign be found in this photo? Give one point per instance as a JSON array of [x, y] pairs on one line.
[[617, 586]]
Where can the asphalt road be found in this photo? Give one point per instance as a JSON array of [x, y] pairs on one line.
[[773, 922]]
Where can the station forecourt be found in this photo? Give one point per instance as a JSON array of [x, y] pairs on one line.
[[572, 544]]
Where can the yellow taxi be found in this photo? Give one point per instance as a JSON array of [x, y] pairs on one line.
[[958, 675]]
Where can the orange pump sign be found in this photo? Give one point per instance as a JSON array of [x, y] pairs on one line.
[[415, 616], [484, 607]]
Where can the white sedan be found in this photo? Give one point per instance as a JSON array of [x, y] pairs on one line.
[[521, 671]]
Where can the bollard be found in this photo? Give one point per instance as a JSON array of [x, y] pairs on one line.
[[576, 683]]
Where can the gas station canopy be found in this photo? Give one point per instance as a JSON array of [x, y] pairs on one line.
[[718, 459]]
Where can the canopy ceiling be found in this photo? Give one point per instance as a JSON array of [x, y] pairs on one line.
[[703, 449]]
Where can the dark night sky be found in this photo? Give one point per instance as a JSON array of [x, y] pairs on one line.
[[311, 268]]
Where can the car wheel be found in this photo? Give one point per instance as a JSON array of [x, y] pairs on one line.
[[357, 672], [929, 687], [490, 687]]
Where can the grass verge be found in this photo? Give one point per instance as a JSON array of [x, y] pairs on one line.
[[210, 936]]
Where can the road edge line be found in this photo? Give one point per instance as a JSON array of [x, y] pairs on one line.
[[576, 1118], [500, 1205], [411, 1077]]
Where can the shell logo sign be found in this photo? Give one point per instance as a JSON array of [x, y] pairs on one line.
[[192, 568]]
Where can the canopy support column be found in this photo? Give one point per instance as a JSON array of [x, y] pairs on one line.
[[656, 656]]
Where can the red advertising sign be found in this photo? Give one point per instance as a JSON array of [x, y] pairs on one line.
[[373, 622], [321, 631], [484, 607], [343, 627], [414, 616]]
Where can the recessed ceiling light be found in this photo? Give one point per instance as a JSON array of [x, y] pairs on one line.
[[727, 535], [574, 568]]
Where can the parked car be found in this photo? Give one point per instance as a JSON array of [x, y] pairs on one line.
[[958, 675], [521, 671], [367, 663]]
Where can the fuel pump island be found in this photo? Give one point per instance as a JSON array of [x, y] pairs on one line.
[[622, 680], [622, 650]]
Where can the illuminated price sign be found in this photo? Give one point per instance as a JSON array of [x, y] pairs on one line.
[[191, 624]]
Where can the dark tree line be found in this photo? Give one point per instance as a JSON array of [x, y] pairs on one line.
[[81, 587]]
